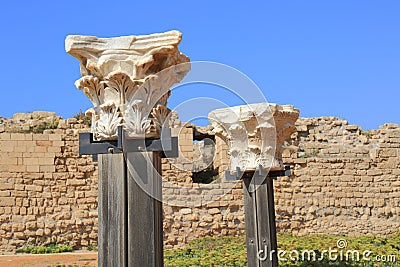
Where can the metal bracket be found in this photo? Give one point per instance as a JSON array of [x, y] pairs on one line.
[[166, 144], [260, 172]]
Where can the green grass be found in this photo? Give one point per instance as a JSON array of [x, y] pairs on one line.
[[209, 251], [231, 251], [46, 249], [92, 248]]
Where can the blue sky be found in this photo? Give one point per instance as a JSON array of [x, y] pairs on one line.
[[339, 58]]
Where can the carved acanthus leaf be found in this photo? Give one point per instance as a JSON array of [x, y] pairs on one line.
[[92, 114], [238, 137], [137, 121], [251, 131], [106, 127], [93, 89], [160, 114], [121, 89], [134, 73]]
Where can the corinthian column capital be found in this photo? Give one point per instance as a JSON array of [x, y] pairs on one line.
[[128, 80], [255, 133]]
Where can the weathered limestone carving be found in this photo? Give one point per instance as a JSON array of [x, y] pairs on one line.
[[285, 117], [128, 79], [255, 133]]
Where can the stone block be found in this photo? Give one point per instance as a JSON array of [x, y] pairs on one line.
[[55, 137], [16, 168], [58, 143], [41, 149], [30, 161], [374, 172], [7, 146], [44, 143], [7, 201], [53, 149], [76, 182], [5, 137], [214, 211], [32, 168], [46, 161], [186, 211], [186, 148], [40, 137], [18, 136], [35, 188]]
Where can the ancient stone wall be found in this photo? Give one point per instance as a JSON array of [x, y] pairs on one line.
[[48, 193], [345, 181]]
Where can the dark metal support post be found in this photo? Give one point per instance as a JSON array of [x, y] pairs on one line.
[[260, 223], [130, 194], [259, 208], [112, 231], [145, 226]]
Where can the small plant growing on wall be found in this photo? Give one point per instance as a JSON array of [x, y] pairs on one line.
[[80, 116], [314, 152], [45, 126], [367, 134]]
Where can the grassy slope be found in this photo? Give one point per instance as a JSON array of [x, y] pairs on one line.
[[231, 251]]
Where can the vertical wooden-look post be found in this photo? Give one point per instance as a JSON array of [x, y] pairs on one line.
[[130, 210], [251, 222], [272, 220], [260, 127], [113, 233], [260, 223], [145, 225]]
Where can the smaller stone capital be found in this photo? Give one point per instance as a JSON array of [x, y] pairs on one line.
[[255, 133]]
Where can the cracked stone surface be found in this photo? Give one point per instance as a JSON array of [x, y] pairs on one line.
[[128, 80], [255, 133]]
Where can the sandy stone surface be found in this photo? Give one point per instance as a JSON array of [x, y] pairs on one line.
[[128, 79], [45, 260]]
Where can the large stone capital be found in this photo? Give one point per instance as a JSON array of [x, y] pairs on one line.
[[128, 80], [255, 133]]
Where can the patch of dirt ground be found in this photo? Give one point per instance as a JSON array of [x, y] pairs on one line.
[[73, 259]]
